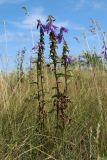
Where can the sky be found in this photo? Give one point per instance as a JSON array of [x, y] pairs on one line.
[[18, 30]]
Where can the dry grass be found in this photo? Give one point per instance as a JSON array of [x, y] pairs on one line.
[[84, 137]]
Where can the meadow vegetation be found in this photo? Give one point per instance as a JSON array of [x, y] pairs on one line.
[[56, 110]]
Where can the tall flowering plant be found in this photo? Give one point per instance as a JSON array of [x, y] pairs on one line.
[[55, 39], [60, 97], [51, 29], [40, 72]]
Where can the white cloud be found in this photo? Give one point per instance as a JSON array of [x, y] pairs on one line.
[[37, 13], [28, 25], [80, 4], [63, 23], [8, 37], [95, 4], [98, 4], [19, 36], [77, 27], [31, 20]]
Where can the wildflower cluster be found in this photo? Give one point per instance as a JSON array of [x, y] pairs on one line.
[[56, 36]]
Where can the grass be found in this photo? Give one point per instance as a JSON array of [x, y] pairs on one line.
[[85, 134]]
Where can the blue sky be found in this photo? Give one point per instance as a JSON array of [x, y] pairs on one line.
[[74, 14]]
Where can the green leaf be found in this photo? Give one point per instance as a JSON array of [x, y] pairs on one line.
[[54, 87], [33, 82], [55, 96], [60, 74]]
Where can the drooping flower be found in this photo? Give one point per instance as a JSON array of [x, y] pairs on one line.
[[63, 29], [35, 47], [41, 26], [50, 27], [60, 37], [42, 31], [69, 60]]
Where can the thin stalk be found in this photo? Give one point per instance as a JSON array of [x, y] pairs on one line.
[[53, 55], [6, 47]]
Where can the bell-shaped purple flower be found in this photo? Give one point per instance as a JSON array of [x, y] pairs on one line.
[[38, 23], [41, 26], [50, 27], [42, 31], [60, 38], [69, 60], [102, 52], [63, 29]]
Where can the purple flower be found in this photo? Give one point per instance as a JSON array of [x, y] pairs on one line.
[[41, 26], [69, 60], [63, 29], [39, 23], [60, 38], [50, 27], [35, 47], [104, 51], [42, 31]]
